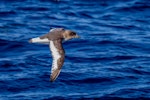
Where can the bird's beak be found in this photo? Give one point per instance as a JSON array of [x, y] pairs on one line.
[[77, 36]]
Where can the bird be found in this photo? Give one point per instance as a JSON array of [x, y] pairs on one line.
[[55, 38]]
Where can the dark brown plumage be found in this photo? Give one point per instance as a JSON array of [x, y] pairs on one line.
[[55, 38]]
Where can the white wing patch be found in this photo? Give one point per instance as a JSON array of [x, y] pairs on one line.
[[38, 40], [55, 55], [52, 29]]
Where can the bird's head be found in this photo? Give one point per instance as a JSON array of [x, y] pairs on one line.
[[68, 34]]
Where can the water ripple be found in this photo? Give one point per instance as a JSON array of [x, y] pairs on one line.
[[109, 61]]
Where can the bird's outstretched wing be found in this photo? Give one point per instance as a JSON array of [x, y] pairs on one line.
[[58, 55]]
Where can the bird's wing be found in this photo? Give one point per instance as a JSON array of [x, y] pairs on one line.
[[58, 55], [56, 29], [53, 34]]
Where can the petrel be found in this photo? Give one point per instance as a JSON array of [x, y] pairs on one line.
[[54, 38]]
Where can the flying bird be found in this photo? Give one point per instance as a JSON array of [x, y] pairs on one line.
[[54, 38]]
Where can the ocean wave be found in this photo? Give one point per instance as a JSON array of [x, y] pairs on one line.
[[109, 61]]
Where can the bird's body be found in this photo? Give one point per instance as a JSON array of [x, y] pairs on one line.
[[54, 38]]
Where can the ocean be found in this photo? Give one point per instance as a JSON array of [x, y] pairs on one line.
[[111, 60]]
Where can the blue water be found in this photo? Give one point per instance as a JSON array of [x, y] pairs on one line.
[[111, 60]]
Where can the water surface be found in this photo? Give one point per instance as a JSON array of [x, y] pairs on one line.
[[110, 61]]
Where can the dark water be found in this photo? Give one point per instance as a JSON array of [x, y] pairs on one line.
[[110, 61]]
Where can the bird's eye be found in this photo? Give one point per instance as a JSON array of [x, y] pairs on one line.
[[72, 33]]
